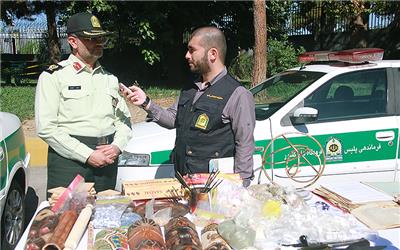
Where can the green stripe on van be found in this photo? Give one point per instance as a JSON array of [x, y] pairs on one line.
[[160, 157], [353, 147], [16, 152]]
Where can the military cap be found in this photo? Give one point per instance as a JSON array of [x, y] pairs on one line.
[[85, 24]]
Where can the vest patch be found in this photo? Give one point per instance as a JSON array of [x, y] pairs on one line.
[[215, 97], [202, 121]]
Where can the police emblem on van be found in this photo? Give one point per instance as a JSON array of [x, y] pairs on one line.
[[334, 150]]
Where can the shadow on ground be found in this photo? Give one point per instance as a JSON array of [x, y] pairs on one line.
[[31, 204]]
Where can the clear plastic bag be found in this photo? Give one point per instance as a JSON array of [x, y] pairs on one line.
[[109, 210], [73, 198]]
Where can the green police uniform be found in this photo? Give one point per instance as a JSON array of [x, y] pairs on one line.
[[74, 105]]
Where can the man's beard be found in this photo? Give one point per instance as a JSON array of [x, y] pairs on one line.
[[201, 66]]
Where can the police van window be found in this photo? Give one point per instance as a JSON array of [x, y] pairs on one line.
[[351, 96], [272, 94]]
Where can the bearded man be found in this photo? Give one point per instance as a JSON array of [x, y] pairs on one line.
[[214, 117]]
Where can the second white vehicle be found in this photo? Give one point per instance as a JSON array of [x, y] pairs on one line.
[[337, 114]]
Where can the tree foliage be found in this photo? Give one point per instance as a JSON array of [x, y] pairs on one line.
[[282, 55], [322, 18], [158, 30]]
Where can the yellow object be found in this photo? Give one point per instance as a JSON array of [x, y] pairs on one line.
[[271, 209], [38, 150]]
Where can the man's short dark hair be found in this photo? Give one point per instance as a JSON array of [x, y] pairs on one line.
[[212, 37]]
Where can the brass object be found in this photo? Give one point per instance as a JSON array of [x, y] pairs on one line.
[[298, 156]]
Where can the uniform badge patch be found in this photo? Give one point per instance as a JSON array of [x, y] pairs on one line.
[[77, 66], [202, 121], [334, 150]]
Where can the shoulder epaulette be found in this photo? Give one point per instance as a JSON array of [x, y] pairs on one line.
[[53, 67]]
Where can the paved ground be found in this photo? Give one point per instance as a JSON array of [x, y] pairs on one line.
[[37, 180], [36, 191]]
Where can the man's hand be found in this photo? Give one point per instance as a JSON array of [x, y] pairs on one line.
[[111, 150], [98, 159], [136, 97], [103, 155]]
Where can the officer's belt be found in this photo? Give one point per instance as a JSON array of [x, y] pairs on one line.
[[88, 140]]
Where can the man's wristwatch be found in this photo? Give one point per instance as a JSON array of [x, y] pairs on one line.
[[146, 102]]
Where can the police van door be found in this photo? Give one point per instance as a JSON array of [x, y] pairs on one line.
[[356, 129], [3, 165]]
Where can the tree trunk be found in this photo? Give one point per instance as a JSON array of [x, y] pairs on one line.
[[260, 40], [53, 43], [360, 25]]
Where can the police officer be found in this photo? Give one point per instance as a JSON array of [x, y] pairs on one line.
[[214, 117], [79, 112]]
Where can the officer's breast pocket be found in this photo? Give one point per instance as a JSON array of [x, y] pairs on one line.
[[74, 100]]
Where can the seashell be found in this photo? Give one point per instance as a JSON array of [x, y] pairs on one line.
[[145, 234], [212, 240], [181, 234]]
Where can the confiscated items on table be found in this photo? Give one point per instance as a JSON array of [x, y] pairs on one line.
[[109, 211], [42, 229], [64, 226], [180, 233], [111, 239], [145, 234], [75, 196], [178, 209], [79, 228], [58, 191], [129, 217], [212, 240], [108, 192], [149, 189], [237, 236]]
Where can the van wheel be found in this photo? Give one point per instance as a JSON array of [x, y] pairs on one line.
[[12, 221]]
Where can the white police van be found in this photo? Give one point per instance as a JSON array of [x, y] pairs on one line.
[[14, 162], [337, 114]]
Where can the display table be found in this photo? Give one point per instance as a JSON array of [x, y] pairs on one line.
[[389, 237]]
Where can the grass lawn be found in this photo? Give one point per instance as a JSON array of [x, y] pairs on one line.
[[21, 100]]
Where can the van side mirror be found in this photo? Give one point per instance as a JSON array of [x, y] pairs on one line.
[[304, 115]]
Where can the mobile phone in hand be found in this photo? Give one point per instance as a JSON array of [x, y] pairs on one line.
[[125, 89]]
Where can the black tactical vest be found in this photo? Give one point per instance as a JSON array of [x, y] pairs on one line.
[[200, 133]]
